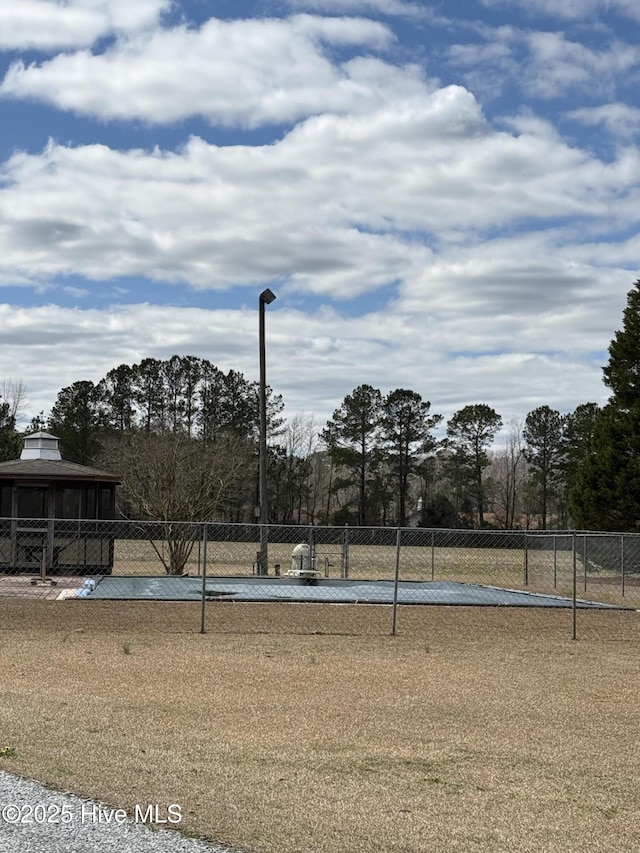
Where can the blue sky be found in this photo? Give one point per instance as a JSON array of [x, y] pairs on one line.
[[444, 196]]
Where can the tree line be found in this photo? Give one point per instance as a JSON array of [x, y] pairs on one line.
[[183, 435], [394, 470]]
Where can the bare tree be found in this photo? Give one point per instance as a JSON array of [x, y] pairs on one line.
[[14, 393], [295, 475], [509, 471], [171, 478], [304, 437]]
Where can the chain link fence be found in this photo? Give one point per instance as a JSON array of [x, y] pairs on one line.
[[215, 564]]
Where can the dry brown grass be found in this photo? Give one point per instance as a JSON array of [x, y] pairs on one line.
[[474, 729], [365, 561]]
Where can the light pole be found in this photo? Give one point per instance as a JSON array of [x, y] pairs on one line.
[[266, 298]]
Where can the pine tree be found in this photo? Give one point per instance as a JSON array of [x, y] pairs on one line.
[[352, 440], [605, 493], [9, 442], [543, 434], [470, 432], [622, 373], [406, 426], [75, 418]]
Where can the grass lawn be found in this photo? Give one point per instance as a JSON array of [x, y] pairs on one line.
[[473, 730], [365, 561]]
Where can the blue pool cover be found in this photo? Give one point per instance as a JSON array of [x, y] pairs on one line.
[[322, 591]]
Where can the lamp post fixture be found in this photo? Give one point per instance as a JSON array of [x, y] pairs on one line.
[[266, 298]]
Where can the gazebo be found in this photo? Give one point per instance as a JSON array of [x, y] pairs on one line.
[[50, 512]]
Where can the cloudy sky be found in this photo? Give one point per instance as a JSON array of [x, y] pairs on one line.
[[444, 196]]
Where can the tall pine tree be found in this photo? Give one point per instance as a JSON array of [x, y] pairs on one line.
[[405, 426], [622, 373], [605, 494], [543, 434], [352, 440], [470, 432]]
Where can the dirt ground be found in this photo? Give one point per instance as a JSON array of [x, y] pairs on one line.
[[307, 728]]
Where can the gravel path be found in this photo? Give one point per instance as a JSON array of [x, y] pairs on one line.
[[34, 819]]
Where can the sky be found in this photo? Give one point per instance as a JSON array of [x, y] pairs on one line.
[[443, 196]]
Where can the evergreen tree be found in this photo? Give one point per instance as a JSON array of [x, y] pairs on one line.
[[37, 423], [209, 415], [9, 439], [116, 396], [622, 373], [148, 394], [543, 434], [352, 441], [76, 420], [470, 432], [406, 430], [192, 371], [578, 444], [605, 493]]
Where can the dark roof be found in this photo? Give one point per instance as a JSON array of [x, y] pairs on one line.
[[52, 469]]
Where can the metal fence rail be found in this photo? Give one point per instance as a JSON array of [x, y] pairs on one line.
[[212, 562]]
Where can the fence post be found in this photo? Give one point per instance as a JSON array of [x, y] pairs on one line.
[[622, 560], [584, 559], [555, 563], [51, 541], [575, 580], [395, 585], [526, 560], [433, 555], [204, 577], [312, 551], [345, 552]]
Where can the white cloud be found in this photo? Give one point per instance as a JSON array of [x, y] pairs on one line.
[[324, 210], [352, 7], [513, 321], [77, 292], [55, 24], [571, 9], [471, 54], [314, 360], [543, 64], [621, 119], [388, 179], [487, 66], [245, 72], [205, 216], [556, 64]]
